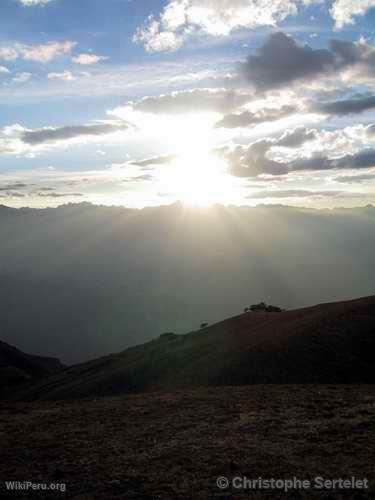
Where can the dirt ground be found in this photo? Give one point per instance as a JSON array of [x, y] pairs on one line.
[[176, 446]]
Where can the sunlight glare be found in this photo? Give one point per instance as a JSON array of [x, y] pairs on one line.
[[199, 179]]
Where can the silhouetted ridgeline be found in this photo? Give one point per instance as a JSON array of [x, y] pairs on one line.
[[18, 368], [81, 281], [328, 343]]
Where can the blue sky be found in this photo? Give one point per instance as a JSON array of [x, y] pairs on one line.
[[137, 103]]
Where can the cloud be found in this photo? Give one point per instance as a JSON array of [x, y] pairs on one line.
[[196, 100], [296, 193], [295, 138], [140, 178], [14, 185], [281, 61], [262, 157], [65, 76], [51, 135], [181, 19], [355, 179], [4, 70], [362, 159], [88, 59], [52, 194], [355, 105], [31, 3], [8, 54], [22, 77], [253, 160], [13, 194], [155, 39], [156, 160], [38, 53], [16, 139], [248, 118], [47, 52], [345, 11]]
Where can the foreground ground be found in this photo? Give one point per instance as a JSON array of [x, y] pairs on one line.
[[175, 446]]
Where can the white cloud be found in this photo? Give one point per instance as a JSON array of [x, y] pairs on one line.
[[182, 18], [192, 101], [4, 70], [31, 3], [65, 76], [38, 53], [8, 54], [87, 59], [47, 52], [155, 39], [344, 11], [22, 77]]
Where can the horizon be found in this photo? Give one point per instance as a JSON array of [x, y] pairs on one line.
[[123, 103], [187, 206]]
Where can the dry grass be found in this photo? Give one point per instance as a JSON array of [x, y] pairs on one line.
[[174, 446]]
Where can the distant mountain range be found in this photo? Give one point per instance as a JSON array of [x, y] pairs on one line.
[[81, 281], [18, 368], [330, 344]]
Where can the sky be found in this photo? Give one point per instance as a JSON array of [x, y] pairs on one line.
[[150, 102]]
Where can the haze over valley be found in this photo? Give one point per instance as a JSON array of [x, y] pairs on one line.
[[81, 281]]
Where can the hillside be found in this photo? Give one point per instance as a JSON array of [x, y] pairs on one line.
[[328, 343], [17, 367], [103, 279]]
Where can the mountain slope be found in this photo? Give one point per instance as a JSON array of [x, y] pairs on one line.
[[328, 343], [17, 367]]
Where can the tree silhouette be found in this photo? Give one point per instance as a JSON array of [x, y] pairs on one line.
[[263, 307]]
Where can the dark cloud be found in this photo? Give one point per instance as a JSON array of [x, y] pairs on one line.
[[282, 61], [358, 104], [46, 135], [13, 194], [14, 185], [347, 53], [363, 159], [248, 118], [297, 137], [253, 160]]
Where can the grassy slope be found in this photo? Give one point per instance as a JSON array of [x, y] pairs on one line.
[[174, 445], [328, 343]]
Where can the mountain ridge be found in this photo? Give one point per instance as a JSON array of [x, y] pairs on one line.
[[18, 368]]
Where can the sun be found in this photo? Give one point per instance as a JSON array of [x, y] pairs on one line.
[[198, 179], [197, 176]]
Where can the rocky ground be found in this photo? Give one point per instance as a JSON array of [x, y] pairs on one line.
[[175, 446]]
